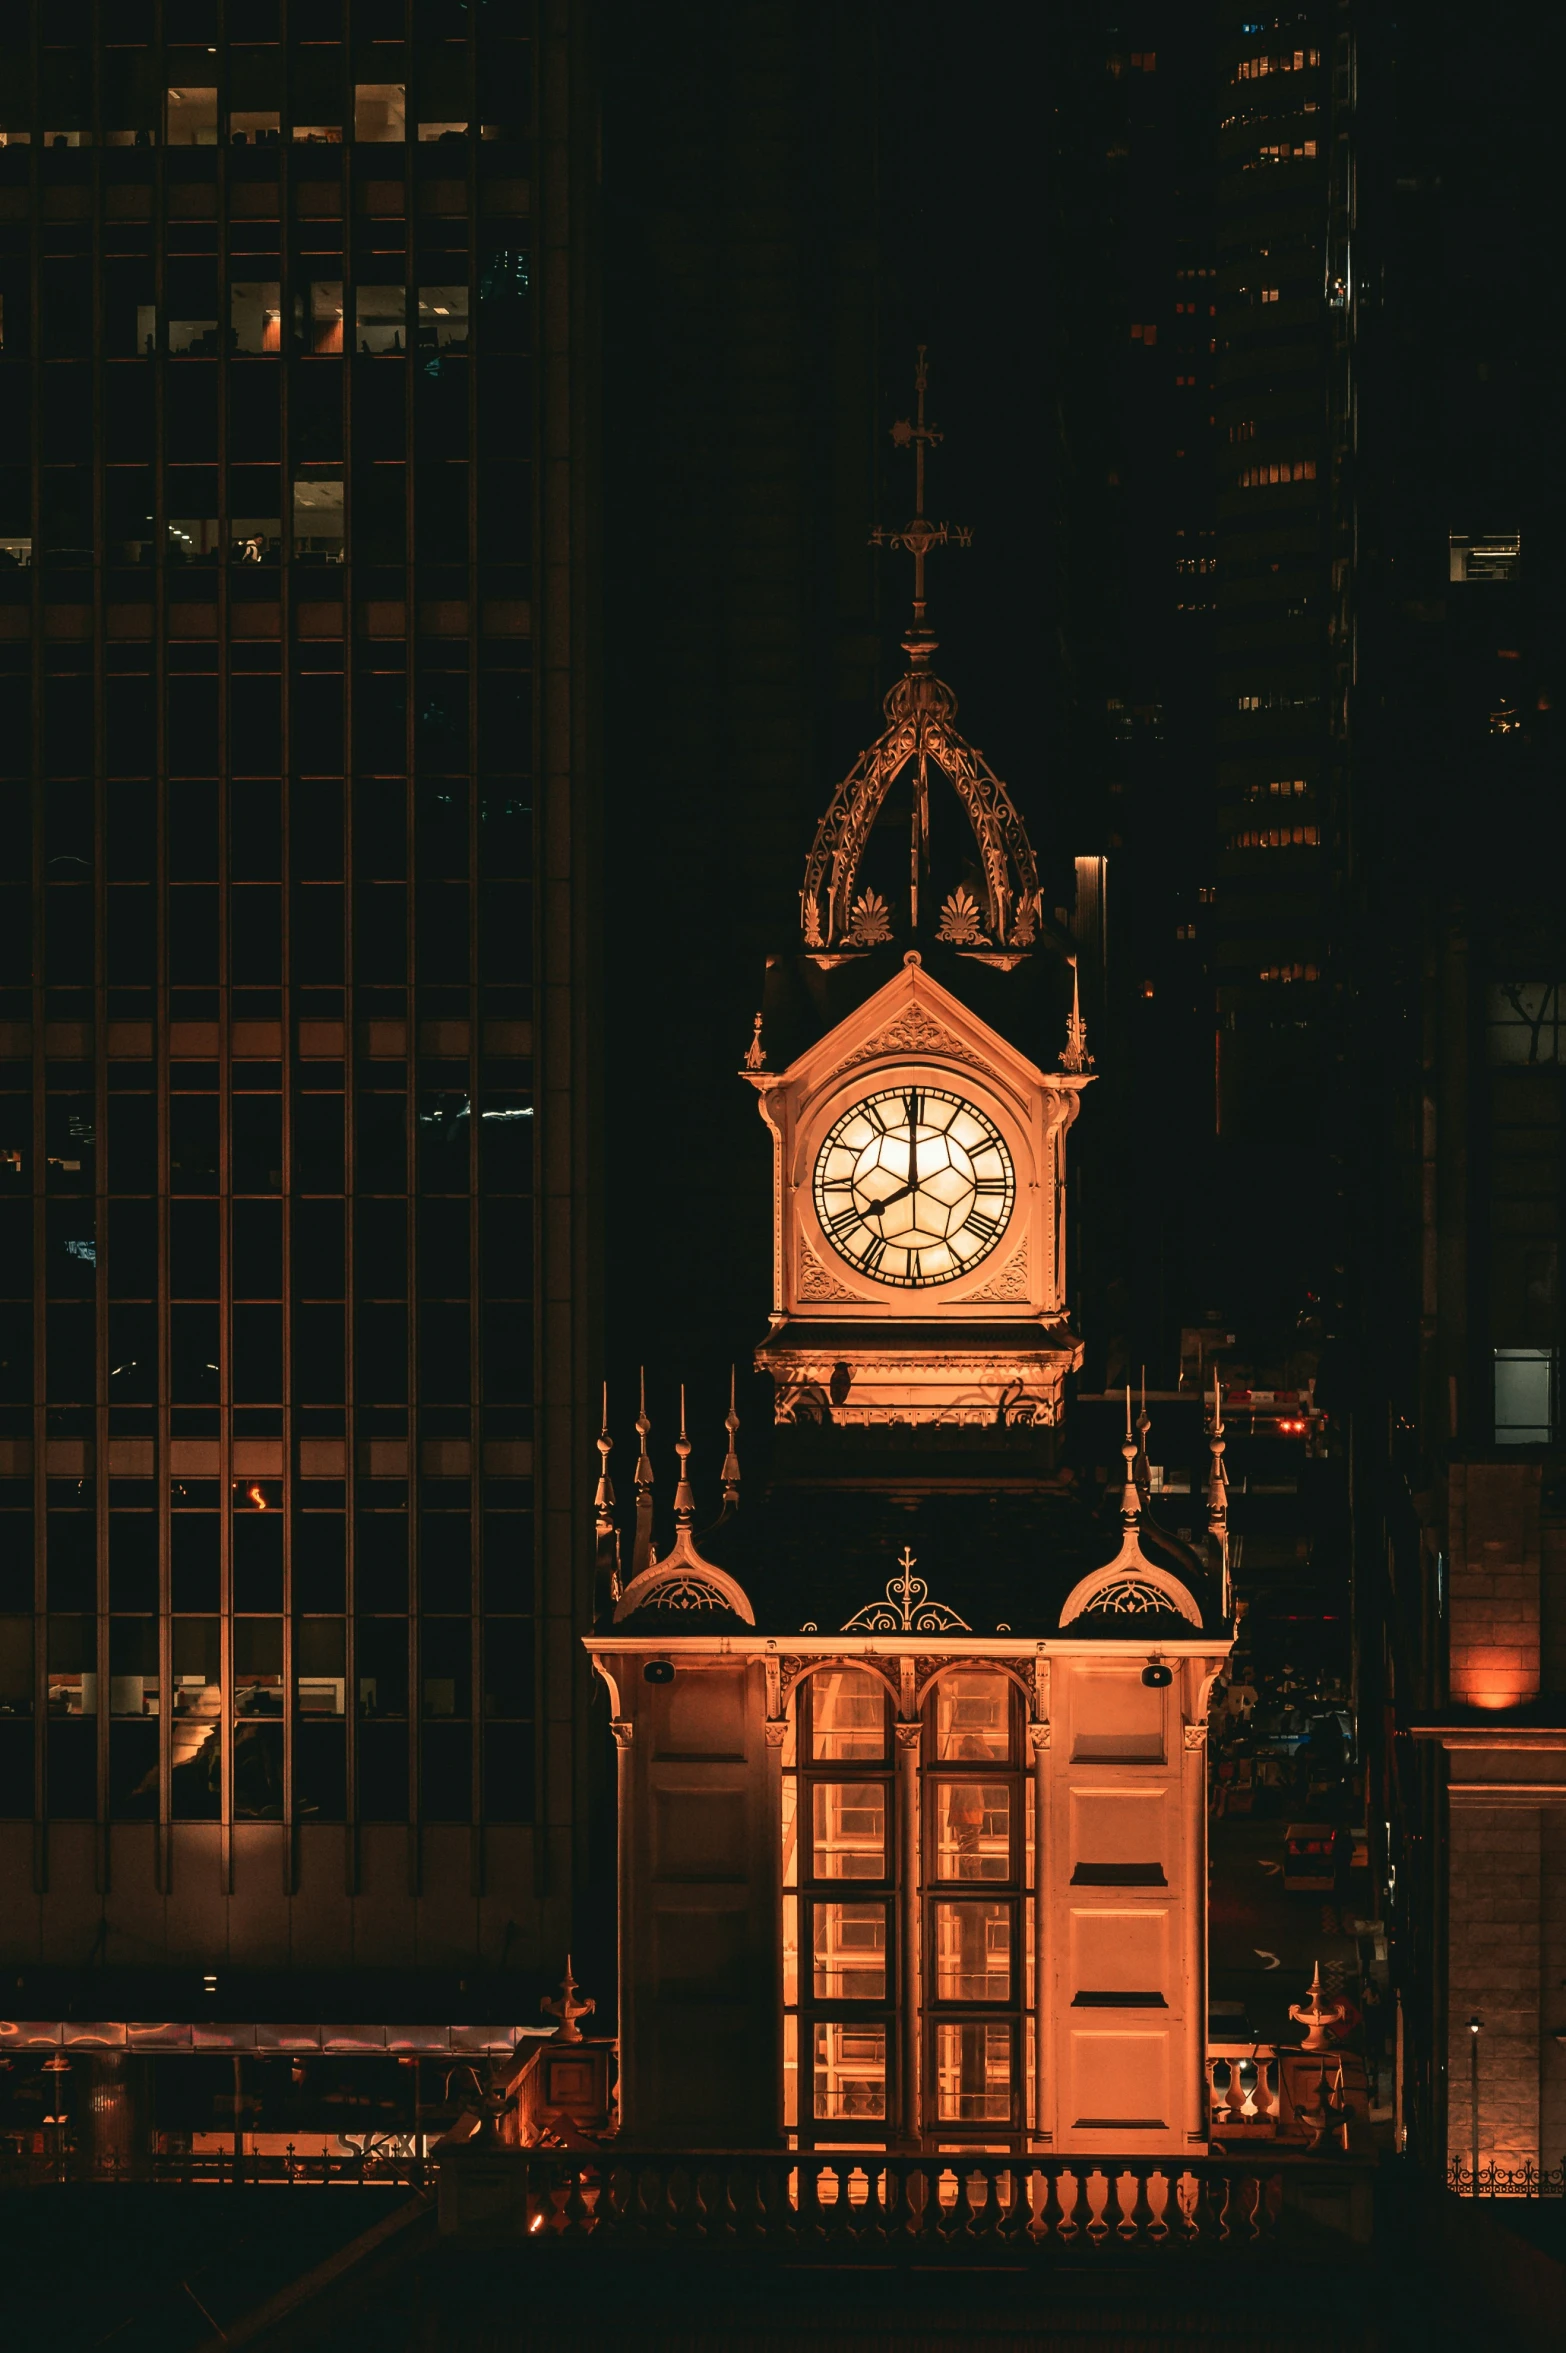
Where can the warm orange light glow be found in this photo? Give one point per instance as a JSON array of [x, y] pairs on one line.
[[258, 1499]]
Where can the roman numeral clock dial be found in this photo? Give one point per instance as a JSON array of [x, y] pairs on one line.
[[914, 1186]]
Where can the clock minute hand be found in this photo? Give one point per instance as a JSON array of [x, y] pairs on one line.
[[911, 1106]]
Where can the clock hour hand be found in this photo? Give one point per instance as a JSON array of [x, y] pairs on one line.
[[880, 1208]]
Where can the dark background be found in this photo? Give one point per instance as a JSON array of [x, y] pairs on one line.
[[794, 199]]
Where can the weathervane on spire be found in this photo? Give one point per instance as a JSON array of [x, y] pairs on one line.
[[918, 536]]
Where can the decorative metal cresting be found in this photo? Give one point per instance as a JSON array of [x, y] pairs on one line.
[[1132, 1597], [838, 917], [907, 1608]]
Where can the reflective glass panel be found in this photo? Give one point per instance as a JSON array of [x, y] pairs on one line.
[[790, 1831], [973, 1952], [972, 1830], [972, 1718], [848, 1830], [850, 2070], [847, 1715], [850, 1952], [133, 1666], [972, 2073], [790, 1951]]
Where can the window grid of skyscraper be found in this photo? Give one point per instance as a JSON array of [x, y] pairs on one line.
[[266, 532]]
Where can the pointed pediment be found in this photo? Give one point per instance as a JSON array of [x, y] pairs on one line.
[[913, 1016]]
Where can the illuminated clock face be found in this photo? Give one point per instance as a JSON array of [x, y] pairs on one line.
[[914, 1186]]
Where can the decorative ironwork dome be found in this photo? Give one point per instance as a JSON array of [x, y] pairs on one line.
[[993, 910]]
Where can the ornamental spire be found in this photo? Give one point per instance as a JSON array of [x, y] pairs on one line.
[[1144, 1467], [1076, 1058], [603, 1493], [642, 1554], [731, 1465], [1218, 1490], [992, 912], [1130, 1494], [606, 1535], [684, 1493], [919, 535]]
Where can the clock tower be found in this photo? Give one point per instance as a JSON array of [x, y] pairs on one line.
[[911, 1742], [919, 1062]]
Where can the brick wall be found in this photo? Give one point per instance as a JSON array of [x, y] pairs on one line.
[[1552, 1974], [1493, 1630], [1494, 1971]]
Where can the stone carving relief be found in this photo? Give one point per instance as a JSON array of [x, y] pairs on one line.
[[915, 1032], [1010, 1283], [815, 1280]]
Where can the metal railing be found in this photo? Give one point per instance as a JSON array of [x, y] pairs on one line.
[[1506, 2181], [859, 2202]]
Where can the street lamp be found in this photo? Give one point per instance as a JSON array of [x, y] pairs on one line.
[[1473, 2094]]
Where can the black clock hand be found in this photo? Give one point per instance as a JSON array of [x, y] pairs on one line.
[[880, 1208], [911, 1106]]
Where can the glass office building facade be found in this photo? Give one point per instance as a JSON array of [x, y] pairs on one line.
[[275, 589]]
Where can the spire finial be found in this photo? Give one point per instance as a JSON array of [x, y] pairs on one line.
[[1076, 1058], [731, 1464], [1130, 1499], [684, 1494], [603, 1493], [1218, 1490], [642, 1554], [644, 1469], [919, 535], [565, 2006], [755, 1052]]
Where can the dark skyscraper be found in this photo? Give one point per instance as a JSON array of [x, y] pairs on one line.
[[294, 528]]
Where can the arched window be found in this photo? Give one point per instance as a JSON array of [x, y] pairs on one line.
[[847, 1910], [839, 1868], [976, 1926]]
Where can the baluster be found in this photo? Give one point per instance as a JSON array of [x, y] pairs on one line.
[[1105, 2227], [1200, 2227], [1220, 2095], [1137, 2226], [811, 2219], [1009, 2190], [616, 2196], [1225, 2208], [1000, 2198], [577, 2219], [1259, 2218], [685, 2200], [1052, 2216], [967, 2216], [766, 2207], [737, 2198], [1074, 2226]]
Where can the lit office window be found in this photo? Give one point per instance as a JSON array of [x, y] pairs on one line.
[[1523, 1021], [1524, 1396]]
